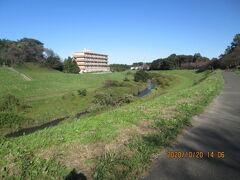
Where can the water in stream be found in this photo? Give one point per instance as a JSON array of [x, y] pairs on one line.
[[147, 90]]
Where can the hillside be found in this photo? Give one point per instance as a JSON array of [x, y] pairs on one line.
[[117, 143], [48, 82], [49, 94]]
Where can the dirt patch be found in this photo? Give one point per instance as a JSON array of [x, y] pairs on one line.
[[82, 156], [12, 168], [188, 100], [143, 128], [169, 112], [164, 112]]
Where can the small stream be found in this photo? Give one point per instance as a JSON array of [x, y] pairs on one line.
[[146, 91], [55, 122]]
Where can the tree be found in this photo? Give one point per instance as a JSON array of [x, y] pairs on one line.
[[70, 66], [179, 62], [10, 52], [161, 64], [236, 41], [155, 65], [52, 60], [232, 59], [197, 57], [175, 61], [119, 67], [214, 64], [231, 56], [137, 64], [24, 50], [166, 65], [141, 76], [32, 50]]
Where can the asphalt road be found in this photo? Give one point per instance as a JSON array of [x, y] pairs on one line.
[[217, 129]]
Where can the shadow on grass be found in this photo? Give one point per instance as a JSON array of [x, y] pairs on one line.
[[73, 175]]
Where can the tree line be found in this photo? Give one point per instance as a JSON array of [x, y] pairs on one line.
[[32, 50], [228, 60], [119, 67], [231, 57], [179, 62]]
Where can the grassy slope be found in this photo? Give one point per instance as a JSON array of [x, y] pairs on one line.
[[52, 94], [46, 82], [175, 110], [120, 125]]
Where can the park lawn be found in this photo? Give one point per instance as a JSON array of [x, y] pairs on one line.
[[118, 143]]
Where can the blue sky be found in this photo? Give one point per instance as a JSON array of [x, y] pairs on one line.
[[126, 30]]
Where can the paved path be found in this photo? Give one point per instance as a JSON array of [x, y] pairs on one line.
[[216, 129]]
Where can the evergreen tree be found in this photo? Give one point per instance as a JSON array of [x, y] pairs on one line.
[[70, 66]]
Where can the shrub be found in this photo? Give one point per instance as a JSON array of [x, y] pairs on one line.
[[103, 99], [126, 79], [82, 92], [141, 76], [9, 119], [162, 81], [126, 99], [95, 107]]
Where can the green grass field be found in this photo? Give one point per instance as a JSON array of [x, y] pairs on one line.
[[115, 144], [51, 94]]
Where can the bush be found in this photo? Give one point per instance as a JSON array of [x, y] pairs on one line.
[[126, 79], [162, 81], [95, 107], [126, 99], [103, 99], [82, 92], [141, 76], [10, 119]]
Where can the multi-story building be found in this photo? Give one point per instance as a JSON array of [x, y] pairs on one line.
[[91, 62]]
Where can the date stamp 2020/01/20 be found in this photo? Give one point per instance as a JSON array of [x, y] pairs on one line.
[[195, 154]]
